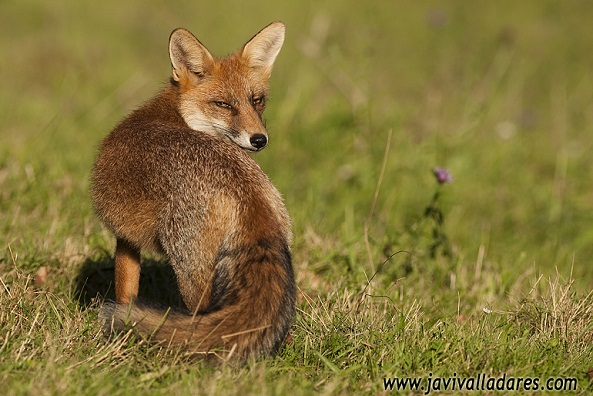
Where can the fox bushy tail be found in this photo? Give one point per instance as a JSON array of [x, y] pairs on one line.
[[249, 315]]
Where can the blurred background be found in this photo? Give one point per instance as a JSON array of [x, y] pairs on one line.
[[499, 93]]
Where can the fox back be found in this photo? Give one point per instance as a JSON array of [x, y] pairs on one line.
[[174, 177]]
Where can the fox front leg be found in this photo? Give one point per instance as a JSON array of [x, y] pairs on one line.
[[127, 272]]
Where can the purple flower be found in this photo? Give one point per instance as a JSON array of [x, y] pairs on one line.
[[442, 175]]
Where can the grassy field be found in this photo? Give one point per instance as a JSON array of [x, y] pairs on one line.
[[399, 276]]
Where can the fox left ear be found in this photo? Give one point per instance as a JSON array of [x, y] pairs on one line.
[[262, 49], [188, 55]]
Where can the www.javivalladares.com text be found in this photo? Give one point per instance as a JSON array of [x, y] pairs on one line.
[[480, 382]]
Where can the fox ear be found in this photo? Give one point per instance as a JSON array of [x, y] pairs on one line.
[[262, 49], [188, 55]]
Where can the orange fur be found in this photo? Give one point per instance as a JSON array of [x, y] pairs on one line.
[[174, 177]]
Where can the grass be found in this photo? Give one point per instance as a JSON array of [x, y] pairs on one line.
[[366, 100]]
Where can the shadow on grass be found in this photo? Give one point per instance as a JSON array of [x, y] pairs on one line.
[[96, 280]]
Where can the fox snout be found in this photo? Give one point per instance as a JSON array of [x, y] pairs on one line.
[[258, 141], [247, 141]]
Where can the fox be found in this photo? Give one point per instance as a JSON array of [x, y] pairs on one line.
[[176, 177]]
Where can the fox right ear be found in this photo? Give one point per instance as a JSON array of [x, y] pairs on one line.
[[188, 55], [262, 49]]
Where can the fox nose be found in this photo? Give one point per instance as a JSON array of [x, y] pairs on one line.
[[258, 141]]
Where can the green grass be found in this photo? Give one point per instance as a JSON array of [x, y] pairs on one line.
[[366, 100]]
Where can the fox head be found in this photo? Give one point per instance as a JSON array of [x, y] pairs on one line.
[[226, 97]]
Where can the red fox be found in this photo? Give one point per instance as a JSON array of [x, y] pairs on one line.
[[174, 177]]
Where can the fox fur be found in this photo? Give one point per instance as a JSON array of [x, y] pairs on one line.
[[174, 177]]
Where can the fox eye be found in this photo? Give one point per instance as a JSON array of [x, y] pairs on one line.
[[220, 103], [257, 100]]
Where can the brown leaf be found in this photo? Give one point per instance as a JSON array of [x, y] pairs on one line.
[[40, 277]]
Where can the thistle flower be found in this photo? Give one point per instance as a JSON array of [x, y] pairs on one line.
[[442, 175]]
